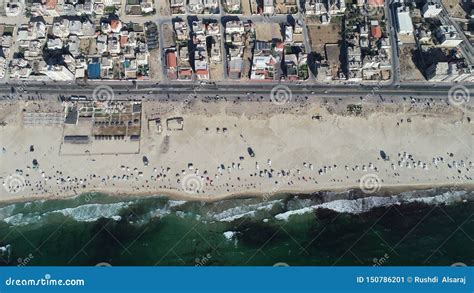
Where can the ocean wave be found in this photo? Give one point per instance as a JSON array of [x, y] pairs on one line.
[[157, 213], [228, 211], [21, 219], [175, 203], [83, 213], [6, 211], [446, 198], [362, 205], [5, 251], [92, 212], [238, 212], [229, 234]]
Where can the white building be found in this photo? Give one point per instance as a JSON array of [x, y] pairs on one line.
[[316, 7], [448, 72], [3, 67], [405, 25], [320, 7], [448, 36], [336, 6], [108, 3], [234, 26], [14, 7], [54, 43], [288, 34], [58, 73], [431, 9], [232, 5]]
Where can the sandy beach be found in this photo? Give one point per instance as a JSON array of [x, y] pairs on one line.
[[297, 147]]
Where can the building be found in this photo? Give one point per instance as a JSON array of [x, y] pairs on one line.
[[423, 35], [448, 36], [195, 6], [288, 34], [336, 6], [3, 67], [376, 3], [58, 73], [13, 7], [315, 7], [234, 26], [235, 68], [376, 31], [321, 7], [268, 7], [232, 6], [263, 68], [405, 25], [431, 9], [171, 64], [177, 6], [449, 72]]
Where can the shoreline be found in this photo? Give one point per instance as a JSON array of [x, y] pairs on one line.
[[385, 191]]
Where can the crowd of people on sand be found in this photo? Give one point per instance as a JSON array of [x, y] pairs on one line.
[[245, 174], [258, 174]]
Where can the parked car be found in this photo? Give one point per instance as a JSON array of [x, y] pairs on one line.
[[250, 151]]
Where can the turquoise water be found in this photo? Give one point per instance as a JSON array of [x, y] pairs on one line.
[[93, 228]]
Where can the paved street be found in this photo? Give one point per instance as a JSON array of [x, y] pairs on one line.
[[150, 91]]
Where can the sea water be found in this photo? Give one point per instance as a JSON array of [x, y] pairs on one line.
[[436, 228]]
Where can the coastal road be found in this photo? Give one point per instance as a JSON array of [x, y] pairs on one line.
[[148, 90]]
